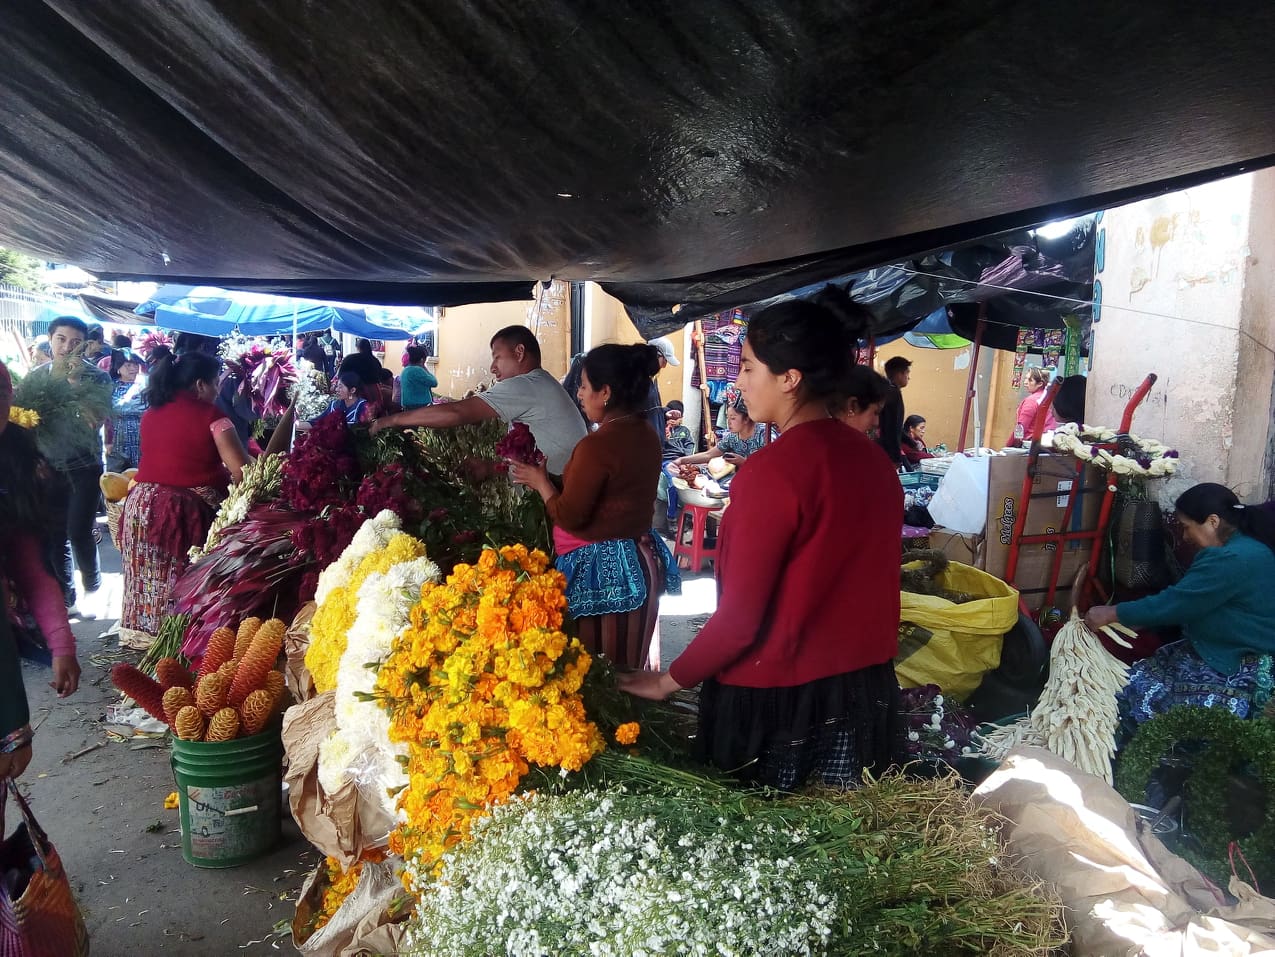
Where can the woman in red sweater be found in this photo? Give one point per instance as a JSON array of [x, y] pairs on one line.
[[190, 453], [616, 567], [796, 665]]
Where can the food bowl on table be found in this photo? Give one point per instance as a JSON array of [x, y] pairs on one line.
[[689, 495]]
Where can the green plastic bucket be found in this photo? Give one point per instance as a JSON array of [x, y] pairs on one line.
[[228, 793]]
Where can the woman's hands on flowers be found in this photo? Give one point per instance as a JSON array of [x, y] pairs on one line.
[[535, 477], [653, 685]]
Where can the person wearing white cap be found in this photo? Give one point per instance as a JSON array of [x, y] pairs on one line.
[[655, 405]]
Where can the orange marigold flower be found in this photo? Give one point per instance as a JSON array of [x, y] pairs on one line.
[[627, 733]]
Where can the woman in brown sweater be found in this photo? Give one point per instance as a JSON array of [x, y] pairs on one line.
[[616, 567]]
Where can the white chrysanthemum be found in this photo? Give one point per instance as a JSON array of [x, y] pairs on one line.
[[373, 535], [335, 761], [597, 874], [382, 611]]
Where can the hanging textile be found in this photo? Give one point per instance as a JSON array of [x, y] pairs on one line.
[[723, 340]]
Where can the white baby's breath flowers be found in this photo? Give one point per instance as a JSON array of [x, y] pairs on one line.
[[607, 874]]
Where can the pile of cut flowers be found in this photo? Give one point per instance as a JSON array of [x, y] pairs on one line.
[[290, 518], [538, 810]]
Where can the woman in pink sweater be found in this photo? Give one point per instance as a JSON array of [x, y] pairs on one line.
[[24, 574]]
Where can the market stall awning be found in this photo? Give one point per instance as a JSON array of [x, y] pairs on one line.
[[210, 311], [689, 155]]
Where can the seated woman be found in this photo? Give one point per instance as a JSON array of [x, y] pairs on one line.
[[1222, 604], [912, 441], [615, 567], [417, 383], [349, 390], [797, 662], [859, 403], [190, 453], [743, 437]]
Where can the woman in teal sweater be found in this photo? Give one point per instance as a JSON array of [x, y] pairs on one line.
[[1225, 605]]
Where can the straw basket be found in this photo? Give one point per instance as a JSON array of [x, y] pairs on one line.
[[114, 516]]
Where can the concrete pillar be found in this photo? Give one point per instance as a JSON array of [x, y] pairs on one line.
[[1186, 285]]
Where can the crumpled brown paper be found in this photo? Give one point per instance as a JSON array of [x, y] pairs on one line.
[[362, 925], [296, 641], [1126, 894], [329, 821]]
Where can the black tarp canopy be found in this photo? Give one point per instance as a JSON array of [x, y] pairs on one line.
[[690, 156]]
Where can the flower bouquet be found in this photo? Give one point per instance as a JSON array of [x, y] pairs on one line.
[[1133, 457], [69, 410], [938, 729], [483, 685], [262, 372]]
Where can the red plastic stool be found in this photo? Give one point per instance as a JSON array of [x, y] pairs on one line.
[[696, 552]]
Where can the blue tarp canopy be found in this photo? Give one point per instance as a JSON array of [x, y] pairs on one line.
[[211, 311]]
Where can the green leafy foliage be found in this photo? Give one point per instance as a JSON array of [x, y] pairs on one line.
[[19, 269], [72, 408]]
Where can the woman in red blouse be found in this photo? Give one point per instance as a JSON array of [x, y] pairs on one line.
[[190, 453], [796, 665]]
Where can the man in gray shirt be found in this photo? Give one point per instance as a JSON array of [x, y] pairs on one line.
[[73, 496], [524, 392]]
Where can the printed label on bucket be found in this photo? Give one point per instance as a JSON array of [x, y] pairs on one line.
[[226, 822]]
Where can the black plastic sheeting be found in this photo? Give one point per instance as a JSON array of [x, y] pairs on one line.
[[691, 156], [1019, 279]]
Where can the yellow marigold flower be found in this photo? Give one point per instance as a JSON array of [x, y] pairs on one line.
[[27, 418], [482, 685], [627, 733]]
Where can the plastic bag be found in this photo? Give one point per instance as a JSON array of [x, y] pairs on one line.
[[954, 644], [961, 500]]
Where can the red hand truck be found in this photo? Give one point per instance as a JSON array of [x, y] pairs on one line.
[[1060, 539]]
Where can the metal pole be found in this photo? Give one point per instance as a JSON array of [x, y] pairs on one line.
[[973, 376]]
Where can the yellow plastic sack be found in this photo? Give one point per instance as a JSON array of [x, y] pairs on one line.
[[954, 645]]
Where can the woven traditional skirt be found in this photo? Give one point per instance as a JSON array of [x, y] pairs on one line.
[[153, 564], [613, 593], [1176, 676]]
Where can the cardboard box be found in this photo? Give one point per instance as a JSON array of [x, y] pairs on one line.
[[1055, 476], [966, 549]]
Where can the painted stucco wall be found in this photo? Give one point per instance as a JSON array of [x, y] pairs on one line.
[[1185, 295], [464, 338], [606, 321], [937, 389]]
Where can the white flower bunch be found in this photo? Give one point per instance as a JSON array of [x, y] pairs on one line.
[[1082, 442], [364, 750], [373, 535], [310, 392], [614, 873]]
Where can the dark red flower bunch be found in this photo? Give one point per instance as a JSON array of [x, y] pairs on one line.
[[387, 488], [320, 542], [519, 445], [320, 470]]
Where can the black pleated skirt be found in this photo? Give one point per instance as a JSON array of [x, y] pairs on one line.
[[827, 731]]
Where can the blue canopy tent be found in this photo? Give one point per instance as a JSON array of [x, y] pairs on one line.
[[210, 311]]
